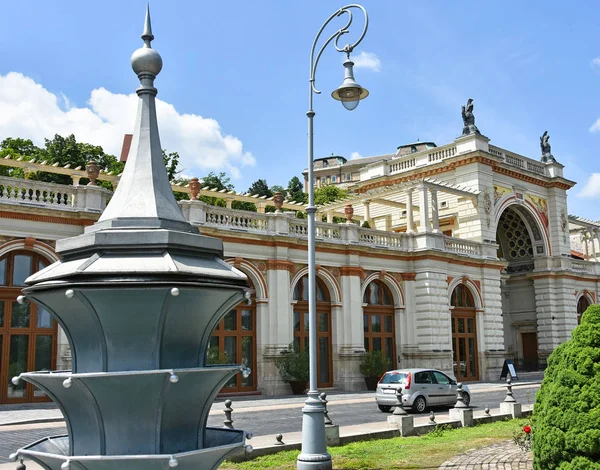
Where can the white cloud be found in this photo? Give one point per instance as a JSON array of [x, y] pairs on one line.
[[355, 155], [367, 60], [596, 126], [595, 63], [592, 187], [30, 111]]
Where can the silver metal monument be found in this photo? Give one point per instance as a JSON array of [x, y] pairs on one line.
[[138, 295]]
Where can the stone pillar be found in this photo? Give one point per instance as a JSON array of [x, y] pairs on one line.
[[229, 203], [595, 239], [406, 326], [435, 216], [410, 224], [490, 327], [424, 223], [367, 206], [584, 236], [556, 311], [329, 217], [433, 316], [274, 322], [348, 325]]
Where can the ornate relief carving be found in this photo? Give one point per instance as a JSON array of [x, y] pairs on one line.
[[487, 205], [541, 207], [499, 192]]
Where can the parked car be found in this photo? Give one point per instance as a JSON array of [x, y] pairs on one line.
[[421, 388]]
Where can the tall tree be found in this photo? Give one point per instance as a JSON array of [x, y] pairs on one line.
[[276, 188], [171, 164], [261, 188], [295, 190], [218, 182]]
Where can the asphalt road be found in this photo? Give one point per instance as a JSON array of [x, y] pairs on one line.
[[275, 419]]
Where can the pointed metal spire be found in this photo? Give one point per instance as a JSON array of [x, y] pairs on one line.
[[144, 197], [147, 35]]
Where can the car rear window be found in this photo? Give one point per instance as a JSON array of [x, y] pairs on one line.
[[393, 378]]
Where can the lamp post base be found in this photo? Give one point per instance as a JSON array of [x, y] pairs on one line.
[[314, 455]]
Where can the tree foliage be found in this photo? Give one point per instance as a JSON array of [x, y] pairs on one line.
[[566, 416], [261, 188], [295, 190], [329, 193]]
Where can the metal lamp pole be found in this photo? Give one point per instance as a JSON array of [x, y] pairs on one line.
[[314, 453]]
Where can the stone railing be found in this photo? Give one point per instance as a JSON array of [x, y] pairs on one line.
[[519, 161], [378, 238], [51, 195], [236, 220], [422, 158], [465, 247], [36, 193], [588, 267]]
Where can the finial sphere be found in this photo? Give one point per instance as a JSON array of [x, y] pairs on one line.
[[146, 60]]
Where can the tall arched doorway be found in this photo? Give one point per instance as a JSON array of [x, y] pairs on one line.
[[324, 363], [520, 239], [28, 333], [234, 342], [464, 334], [582, 305], [378, 321]]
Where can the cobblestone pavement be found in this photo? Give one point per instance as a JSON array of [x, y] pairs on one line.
[[505, 456]]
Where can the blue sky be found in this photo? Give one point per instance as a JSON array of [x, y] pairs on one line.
[[234, 82]]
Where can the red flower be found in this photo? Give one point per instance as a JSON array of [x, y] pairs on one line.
[[527, 429]]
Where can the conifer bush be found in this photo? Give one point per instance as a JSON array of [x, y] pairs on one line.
[[566, 416]]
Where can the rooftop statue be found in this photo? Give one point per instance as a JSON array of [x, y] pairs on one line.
[[546, 150], [469, 119]]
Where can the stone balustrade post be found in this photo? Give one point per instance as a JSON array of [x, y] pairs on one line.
[[279, 222], [194, 211], [90, 198], [349, 233]]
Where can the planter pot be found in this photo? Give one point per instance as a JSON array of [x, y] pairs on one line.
[[298, 387], [371, 382]]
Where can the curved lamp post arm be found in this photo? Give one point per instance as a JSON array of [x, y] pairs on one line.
[[348, 48]]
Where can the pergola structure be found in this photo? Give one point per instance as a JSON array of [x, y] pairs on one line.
[[427, 197]]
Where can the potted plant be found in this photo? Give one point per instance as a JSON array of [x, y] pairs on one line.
[[293, 368], [372, 366]]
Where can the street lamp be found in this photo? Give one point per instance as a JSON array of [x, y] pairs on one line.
[[314, 453]]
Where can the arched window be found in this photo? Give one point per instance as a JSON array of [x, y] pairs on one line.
[[378, 321], [462, 297], [324, 363], [234, 342], [28, 333], [582, 305], [464, 334]]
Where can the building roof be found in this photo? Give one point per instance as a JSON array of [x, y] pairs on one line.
[[126, 146]]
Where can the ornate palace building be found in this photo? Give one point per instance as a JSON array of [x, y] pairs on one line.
[[471, 258]]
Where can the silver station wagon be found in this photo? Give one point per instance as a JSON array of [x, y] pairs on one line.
[[421, 388]]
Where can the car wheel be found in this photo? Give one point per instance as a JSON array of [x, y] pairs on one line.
[[384, 408], [466, 398], [419, 405]]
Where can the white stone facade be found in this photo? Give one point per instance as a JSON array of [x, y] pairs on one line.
[[438, 218]]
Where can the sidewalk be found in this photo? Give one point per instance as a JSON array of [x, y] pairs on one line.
[[48, 412]]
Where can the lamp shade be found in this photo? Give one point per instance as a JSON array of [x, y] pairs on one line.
[[349, 92]]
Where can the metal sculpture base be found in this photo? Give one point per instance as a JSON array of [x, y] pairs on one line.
[[52, 453]]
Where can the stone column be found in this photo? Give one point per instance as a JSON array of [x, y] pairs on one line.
[[367, 206], [596, 238], [228, 203], [329, 217], [584, 235], [424, 223], [435, 217], [348, 325], [410, 224], [274, 322]]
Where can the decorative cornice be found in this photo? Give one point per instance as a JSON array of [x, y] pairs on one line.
[[409, 276], [45, 218], [352, 271], [496, 167], [281, 264]]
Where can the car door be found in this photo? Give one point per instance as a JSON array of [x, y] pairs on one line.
[[445, 391], [424, 383]]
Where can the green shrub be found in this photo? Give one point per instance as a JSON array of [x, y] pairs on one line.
[[566, 416], [374, 364], [293, 364]]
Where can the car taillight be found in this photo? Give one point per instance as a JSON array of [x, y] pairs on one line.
[[408, 377]]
